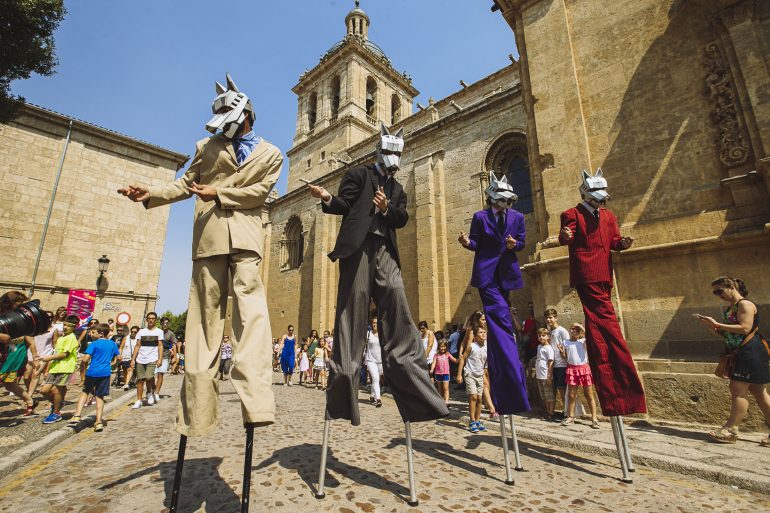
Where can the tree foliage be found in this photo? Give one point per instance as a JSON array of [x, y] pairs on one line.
[[176, 322], [26, 44]]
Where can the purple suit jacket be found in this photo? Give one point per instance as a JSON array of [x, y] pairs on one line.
[[493, 260]]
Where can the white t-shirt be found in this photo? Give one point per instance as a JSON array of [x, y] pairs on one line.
[[576, 351], [559, 335], [433, 349], [544, 353], [43, 344], [128, 349], [477, 360], [373, 353], [148, 345]]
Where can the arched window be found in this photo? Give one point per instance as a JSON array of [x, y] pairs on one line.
[[395, 109], [335, 90], [293, 244], [508, 155], [371, 100], [312, 110]]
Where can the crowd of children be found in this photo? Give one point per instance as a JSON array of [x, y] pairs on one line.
[[52, 362]]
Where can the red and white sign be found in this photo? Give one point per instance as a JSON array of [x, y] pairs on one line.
[[81, 303], [123, 318]]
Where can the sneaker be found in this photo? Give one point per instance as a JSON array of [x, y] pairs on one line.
[[480, 426], [291, 384], [98, 427], [473, 427], [53, 417], [74, 419], [156, 396], [137, 405], [125, 387], [595, 424], [494, 415], [150, 399], [568, 421], [378, 404]]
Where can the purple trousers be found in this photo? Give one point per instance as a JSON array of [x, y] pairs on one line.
[[508, 383]]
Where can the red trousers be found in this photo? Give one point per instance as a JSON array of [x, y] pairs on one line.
[[617, 385]]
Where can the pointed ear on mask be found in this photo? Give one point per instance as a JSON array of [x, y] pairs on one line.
[[384, 130], [599, 173], [219, 88], [400, 133], [492, 177], [231, 85], [586, 176]]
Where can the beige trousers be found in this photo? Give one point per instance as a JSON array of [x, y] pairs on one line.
[[213, 279]]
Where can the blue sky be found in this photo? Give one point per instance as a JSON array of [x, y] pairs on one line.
[[147, 69]]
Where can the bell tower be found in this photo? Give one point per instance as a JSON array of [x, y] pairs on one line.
[[342, 100]]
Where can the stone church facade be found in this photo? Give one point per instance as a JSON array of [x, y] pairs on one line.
[[670, 98]]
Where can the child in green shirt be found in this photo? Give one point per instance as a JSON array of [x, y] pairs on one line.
[[63, 364]]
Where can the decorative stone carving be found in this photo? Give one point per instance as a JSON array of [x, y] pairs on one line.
[[732, 142]]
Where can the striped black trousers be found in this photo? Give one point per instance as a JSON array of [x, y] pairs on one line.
[[372, 272]]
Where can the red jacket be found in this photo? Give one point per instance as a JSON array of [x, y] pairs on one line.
[[590, 260]]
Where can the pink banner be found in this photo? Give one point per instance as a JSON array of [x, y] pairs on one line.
[[81, 303]]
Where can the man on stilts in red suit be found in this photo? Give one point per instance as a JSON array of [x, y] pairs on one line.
[[591, 233]]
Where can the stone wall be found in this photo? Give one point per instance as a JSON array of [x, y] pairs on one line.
[[89, 219]]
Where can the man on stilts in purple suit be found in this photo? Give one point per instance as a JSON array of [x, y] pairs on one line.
[[497, 233]]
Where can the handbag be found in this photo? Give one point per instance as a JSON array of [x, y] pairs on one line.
[[726, 364]]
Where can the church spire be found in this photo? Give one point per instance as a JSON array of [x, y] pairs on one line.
[[357, 22]]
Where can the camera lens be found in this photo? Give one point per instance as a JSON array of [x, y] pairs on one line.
[[26, 320]]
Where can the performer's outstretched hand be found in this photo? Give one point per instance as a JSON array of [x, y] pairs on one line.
[[510, 242], [135, 192], [319, 192], [566, 233], [204, 192], [626, 242], [463, 239]]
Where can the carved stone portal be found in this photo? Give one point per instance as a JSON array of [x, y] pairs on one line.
[[732, 142]]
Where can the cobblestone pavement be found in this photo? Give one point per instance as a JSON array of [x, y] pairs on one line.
[[17, 430], [129, 468]]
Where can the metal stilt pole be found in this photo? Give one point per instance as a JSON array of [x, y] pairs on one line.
[[247, 468], [619, 446], [516, 456], [178, 474], [506, 456], [629, 463], [320, 494], [410, 466]]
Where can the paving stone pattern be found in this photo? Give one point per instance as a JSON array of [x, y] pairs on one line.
[[130, 466]]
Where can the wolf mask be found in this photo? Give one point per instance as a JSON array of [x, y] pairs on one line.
[[594, 187], [499, 192], [230, 109], [389, 149]]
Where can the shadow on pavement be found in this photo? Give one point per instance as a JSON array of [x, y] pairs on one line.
[[672, 431], [201, 483], [451, 455], [306, 460]]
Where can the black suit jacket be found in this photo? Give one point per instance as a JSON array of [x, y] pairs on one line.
[[355, 203]]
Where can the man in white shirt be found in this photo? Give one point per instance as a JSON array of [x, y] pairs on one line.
[[559, 335], [148, 355]]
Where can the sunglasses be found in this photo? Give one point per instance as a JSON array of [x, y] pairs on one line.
[[718, 292]]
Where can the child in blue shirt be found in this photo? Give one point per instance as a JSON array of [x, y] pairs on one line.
[[100, 356]]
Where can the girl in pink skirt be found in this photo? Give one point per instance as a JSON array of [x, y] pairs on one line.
[[578, 373]]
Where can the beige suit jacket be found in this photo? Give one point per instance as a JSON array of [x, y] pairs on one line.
[[234, 221]]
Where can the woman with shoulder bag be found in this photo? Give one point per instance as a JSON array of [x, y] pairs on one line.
[[748, 367]]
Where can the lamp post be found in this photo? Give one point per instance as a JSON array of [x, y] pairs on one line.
[[104, 263]]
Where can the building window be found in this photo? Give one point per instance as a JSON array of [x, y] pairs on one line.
[[371, 100], [293, 245], [508, 155], [395, 109], [308, 163], [335, 97], [312, 111], [323, 156]]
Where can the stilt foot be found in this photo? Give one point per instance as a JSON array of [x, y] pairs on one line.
[[413, 503], [509, 482], [320, 495], [519, 469]]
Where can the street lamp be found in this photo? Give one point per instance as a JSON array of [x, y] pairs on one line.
[[104, 263]]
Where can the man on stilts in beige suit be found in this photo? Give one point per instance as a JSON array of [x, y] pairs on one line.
[[231, 174]]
